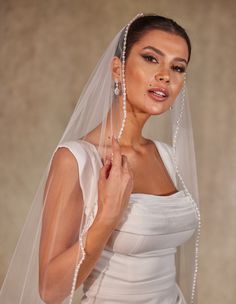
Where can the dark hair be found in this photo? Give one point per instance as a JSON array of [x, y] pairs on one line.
[[140, 26]]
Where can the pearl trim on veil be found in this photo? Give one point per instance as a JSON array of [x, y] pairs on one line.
[[193, 202], [197, 211]]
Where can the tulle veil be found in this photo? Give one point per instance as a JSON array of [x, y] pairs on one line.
[[21, 284]]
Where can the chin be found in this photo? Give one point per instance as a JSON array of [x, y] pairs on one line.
[[160, 106], [158, 112], [158, 109]]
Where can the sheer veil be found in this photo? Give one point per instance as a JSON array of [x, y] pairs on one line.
[[98, 106]]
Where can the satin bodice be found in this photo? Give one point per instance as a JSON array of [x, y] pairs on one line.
[[137, 264]]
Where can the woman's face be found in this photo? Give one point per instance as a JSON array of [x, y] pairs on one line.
[[155, 71]]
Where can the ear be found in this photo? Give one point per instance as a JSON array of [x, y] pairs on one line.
[[116, 68]]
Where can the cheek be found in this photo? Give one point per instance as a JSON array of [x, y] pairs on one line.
[[177, 85], [135, 81], [134, 74], [178, 88]]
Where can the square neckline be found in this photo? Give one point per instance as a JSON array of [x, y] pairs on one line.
[[133, 194]]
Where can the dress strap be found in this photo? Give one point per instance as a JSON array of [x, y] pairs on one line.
[[166, 153], [88, 174]]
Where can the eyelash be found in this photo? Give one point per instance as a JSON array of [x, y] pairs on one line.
[[176, 68], [149, 58]]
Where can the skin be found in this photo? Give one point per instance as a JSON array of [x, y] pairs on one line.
[[144, 73], [133, 156], [159, 59]]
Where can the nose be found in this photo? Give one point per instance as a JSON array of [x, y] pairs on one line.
[[162, 76]]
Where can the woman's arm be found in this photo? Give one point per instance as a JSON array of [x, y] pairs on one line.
[[59, 248], [62, 216]]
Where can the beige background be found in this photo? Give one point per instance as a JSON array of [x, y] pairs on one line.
[[47, 50]]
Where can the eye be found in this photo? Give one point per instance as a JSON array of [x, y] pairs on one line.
[[178, 69], [150, 58]]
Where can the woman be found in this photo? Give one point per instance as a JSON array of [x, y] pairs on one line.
[[116, 205]]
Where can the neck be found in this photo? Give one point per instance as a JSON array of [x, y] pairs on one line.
[[135, 121]]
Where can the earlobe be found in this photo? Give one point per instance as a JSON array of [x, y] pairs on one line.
[[116, 68]]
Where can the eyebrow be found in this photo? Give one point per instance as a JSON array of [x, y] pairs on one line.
[[159, 52]]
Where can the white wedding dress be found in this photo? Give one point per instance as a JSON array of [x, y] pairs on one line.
[[137, 266]]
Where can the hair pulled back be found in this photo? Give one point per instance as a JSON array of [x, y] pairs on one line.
[[142, 25]]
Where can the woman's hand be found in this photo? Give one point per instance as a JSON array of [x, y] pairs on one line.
[[115, 185]]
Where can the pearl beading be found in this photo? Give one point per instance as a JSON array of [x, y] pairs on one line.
[[123, 75], [87, 225], [197, 211]]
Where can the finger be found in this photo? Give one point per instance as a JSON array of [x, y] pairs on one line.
[[127, 166], [116, 153], [125, 163], [124, 160], [104, 170]]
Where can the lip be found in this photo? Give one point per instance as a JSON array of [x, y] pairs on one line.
[[153, 93]]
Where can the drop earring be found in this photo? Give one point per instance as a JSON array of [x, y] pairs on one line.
[[116, 89]]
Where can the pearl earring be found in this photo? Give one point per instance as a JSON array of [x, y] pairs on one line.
[[116, 89]]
